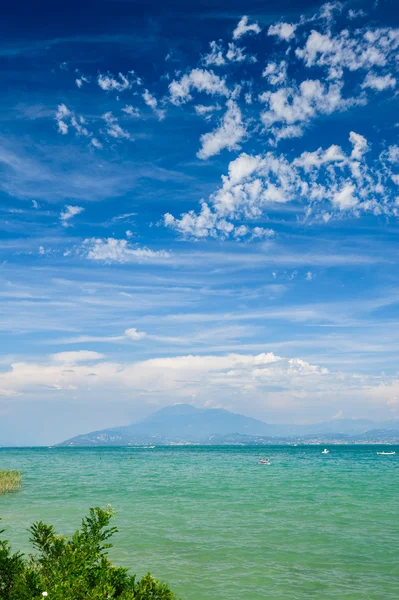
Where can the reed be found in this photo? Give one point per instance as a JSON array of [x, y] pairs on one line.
[[10, 481]]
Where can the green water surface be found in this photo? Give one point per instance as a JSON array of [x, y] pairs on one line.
[[217, 525]]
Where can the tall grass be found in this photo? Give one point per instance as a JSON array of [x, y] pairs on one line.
[[10, 481]]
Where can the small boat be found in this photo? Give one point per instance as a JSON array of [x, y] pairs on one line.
[[387, 453], [264, 461], [325, 451]]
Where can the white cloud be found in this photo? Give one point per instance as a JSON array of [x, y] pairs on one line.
[[152, 102], [206, 111], [68, 213], [362, 49], [276, 73], [228, 135], [200, 80], [327, 182], [284, 31], [96, 143], [114, 129], [81, 80], [199, 226], [62, 113], [264, 380], [235, 53], [360, 145], [379, 83], [76, 357], [215, 56], [111, 250], [243, 28], [135, 335], [66, 118], [295, 106], [131, 111], [262, 232], [354, 14], [345, 199], [109, 83]]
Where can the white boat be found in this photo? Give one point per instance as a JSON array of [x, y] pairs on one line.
[[325, 451], [387, 453]]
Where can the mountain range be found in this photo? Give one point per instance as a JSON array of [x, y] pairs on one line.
[[185, 424]]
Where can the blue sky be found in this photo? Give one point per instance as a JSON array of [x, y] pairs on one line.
[[197, 204]]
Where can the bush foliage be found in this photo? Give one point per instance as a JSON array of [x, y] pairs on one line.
[[75, 568]]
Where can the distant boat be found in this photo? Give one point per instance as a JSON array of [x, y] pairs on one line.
[[325, 451], [387, 453], [264, 461]]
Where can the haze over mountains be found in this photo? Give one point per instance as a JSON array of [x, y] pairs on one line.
[[184, 423]]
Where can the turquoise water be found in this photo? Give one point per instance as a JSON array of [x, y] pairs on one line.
[[218, 525]]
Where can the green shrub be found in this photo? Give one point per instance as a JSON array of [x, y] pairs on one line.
[[75, 568]]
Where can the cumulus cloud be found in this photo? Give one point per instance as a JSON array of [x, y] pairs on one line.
[[68, 213], [111, 250], [200, 80], [243, 28], [228, 135], [284, 31]]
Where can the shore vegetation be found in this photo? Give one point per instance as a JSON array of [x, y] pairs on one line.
[[73, 568], [10, 481]]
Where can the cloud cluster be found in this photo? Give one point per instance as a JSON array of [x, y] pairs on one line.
[[263, 380], [329, 182], [67, 120], [291, 108], [364, 48], [277, 95]]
